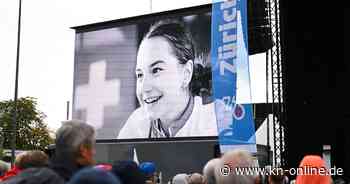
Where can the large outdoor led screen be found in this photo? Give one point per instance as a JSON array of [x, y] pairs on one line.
[[148, 76]]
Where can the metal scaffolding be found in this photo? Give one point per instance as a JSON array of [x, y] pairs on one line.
[[274, 61]]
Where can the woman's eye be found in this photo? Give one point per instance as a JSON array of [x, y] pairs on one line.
[[156, 70], [139, 75]]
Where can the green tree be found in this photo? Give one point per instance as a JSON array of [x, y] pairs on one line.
[[32, 132]]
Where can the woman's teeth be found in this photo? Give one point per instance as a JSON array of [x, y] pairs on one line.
[[152, 99]]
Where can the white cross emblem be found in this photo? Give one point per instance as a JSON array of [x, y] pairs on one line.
[[97, 94]]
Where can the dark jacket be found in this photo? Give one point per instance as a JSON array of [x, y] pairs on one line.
[[35, 176], [65, 167], [128, 172]]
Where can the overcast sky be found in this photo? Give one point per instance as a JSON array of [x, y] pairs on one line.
[[47, 46]]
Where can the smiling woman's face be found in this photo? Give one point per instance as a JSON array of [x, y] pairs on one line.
[[160, 80]]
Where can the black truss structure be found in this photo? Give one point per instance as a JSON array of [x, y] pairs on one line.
[[277, 81]]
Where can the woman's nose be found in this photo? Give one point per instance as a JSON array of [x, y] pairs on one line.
[[146, 84]]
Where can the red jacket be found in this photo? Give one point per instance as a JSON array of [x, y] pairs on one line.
[[13, 172]]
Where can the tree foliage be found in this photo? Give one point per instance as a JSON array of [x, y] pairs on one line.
[[32, 132]]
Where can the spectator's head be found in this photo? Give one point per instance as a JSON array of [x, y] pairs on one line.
[[19, 158], [180, 179], [41, 175], [210, 169], [76, 139], [237, 159], [277, 176], [310, 166], [32, 159], [128, 172], [196, 178], [94, 176], [4, 167], [148, 168]]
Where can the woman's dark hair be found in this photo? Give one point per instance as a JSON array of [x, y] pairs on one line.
[[175, 33], [181, 42]]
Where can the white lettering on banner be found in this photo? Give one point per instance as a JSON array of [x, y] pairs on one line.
[[228, 4], [229, 102], [97, 94], [225, 65], [230, 17], [228, 38], [227, 26], [228, 50]]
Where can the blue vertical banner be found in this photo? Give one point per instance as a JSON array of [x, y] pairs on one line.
[[229, 57]]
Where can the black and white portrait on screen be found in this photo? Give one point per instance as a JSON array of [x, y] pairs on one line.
[[165, 87], [128, 85]]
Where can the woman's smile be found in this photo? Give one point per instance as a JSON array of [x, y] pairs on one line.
[[151, 100]]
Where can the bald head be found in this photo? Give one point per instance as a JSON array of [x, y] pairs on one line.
[[236, 159], [210, 169]]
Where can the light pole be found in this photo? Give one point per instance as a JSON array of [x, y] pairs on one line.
[[14, 125], [67, 110]]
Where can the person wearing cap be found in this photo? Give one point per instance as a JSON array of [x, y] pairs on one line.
[[149, 169]]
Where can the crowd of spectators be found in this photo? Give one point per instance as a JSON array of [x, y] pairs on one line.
[[73, 163]]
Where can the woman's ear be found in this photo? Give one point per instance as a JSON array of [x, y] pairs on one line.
[[188, 72]]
